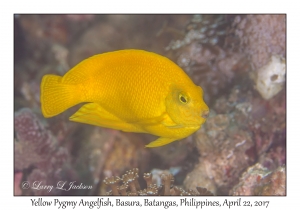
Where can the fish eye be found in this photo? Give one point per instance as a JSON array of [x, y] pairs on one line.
[[183, 99]]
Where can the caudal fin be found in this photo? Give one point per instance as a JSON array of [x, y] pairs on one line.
[[56, 96]]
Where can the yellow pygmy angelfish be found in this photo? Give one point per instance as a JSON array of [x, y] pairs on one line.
[[129, 90]]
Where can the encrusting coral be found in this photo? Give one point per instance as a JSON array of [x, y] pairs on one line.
[[131, 186], [261, 36]]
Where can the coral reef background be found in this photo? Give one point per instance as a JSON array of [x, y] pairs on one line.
[[239, 60]]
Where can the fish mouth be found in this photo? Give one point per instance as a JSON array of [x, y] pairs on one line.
[[205, 114]]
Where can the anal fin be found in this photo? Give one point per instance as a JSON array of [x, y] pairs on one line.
[[160, 142], [94, 114]]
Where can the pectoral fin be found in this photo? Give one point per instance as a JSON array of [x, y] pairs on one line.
[[94, 114], [160, 142], [163, 119]]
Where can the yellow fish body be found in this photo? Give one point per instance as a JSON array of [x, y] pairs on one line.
[[128, 90]]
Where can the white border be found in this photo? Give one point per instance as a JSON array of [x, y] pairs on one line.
[[8, 8]]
